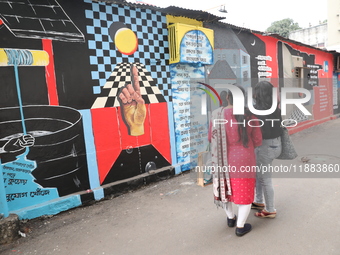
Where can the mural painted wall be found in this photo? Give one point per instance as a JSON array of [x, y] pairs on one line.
[[43, 150], [190, 125], [86, 97], [130, 112], [245, 58], [195, 50], [89, 97]]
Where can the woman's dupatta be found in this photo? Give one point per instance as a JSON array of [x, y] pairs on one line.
[[221, 181]]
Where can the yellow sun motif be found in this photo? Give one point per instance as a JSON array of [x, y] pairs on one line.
[[126, 41]]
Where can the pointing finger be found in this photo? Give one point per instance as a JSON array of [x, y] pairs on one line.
[[135, 79]]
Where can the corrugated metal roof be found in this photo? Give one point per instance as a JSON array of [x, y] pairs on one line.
[[206, 17], [123, 2], [171, 10], [277, 36], [192, 14]]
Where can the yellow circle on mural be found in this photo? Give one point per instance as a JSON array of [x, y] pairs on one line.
[[126, 41]]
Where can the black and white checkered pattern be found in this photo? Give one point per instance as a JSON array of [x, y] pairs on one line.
[[121, 76], [153, 50], [296, 115]]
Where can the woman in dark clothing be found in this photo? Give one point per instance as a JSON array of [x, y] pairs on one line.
[[268, 151]]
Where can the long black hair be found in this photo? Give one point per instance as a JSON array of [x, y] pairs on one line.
[[263, 95], [242, 129]]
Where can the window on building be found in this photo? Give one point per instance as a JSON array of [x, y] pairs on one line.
[[245, 76], [244, 60]]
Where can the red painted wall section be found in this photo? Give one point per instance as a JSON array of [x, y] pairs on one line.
[[160, 135], [105, 124], [325, 88], [111, 134], [325, 83], [50, 73]]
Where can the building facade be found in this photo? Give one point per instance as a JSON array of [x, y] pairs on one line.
[[316, 36], [333, 23], [103, 96]]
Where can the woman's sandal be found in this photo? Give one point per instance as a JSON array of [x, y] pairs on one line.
[[265, 214], [257, 206]]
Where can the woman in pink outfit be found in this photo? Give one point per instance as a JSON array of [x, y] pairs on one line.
[[233, 157]]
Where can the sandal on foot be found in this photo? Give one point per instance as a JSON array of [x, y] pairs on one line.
[[265, 214], [257, 206], [232, 222]]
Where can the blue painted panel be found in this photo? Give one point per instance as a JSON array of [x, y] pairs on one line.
[[21, 190], [91, 154], [190, 126], [196, 48]]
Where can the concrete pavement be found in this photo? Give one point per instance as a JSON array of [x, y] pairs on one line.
[[176, 216]]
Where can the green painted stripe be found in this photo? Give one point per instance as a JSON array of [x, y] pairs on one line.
[[210, 94]]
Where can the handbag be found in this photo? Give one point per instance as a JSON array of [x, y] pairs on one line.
[[288, 150]]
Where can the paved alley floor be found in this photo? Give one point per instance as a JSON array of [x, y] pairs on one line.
[[176, 216]]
